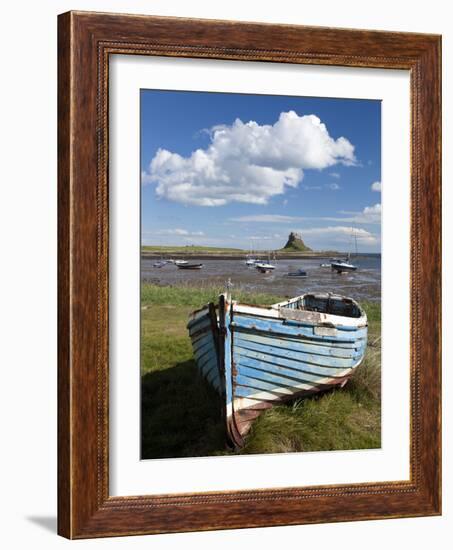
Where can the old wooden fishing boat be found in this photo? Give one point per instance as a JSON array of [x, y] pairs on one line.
[[256, 357]]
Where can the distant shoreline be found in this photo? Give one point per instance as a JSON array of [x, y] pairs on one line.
[[239, 255]]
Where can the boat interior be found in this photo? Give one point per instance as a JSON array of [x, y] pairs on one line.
[[325, 303]]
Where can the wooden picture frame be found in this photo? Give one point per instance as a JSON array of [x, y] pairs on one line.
[[85, 41]]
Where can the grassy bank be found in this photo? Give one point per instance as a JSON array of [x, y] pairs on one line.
[[213, 251], [181, 412], [191, 249]]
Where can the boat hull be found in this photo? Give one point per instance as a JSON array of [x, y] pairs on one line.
[[189, 266], [340, 268], [266, 356], [297, 274], [204, 335]]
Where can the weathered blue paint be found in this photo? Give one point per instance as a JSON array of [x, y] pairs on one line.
[[252, 367], [243, 356], [290, 328], [203, 336], [256, 357], [288, 344], [262, 351]]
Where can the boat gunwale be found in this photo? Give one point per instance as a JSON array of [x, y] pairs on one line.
[[314, 347], [194, 315], [323, 319], [323, 340]]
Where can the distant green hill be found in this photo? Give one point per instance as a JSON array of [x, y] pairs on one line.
[[296, 244], [190, 249]]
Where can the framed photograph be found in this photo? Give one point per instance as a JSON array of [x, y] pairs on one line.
[[249, 275]]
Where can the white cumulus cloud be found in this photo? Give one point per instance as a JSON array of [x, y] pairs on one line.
[[376, 186], [339, 230], [369, 215], [248, 162], [339, 234]]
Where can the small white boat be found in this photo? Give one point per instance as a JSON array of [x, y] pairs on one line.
[[180, 262], [264, 267], [159, 263], [251, 261], [341, 267]]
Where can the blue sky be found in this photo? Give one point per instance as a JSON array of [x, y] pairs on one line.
[[243, 171]]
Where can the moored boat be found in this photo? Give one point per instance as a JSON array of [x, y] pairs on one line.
[[298, 273], [341, 267], [264, 267], [251, 262], [257, 357], [189, 266]]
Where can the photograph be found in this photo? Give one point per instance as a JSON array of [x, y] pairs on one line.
[[260, 274]]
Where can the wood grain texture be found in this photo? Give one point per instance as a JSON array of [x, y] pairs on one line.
[[64, 389], [85, 42]]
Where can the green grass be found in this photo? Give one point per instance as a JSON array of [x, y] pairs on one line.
[[181, 412], [184, 295]]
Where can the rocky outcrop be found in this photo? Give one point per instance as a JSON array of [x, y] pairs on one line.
[[296, 244]]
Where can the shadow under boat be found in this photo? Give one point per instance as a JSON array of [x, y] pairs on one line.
[[181, 414]]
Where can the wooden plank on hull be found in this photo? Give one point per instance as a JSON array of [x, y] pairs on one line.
[[278, 379], [297, 376], [250, 359], [271, 353], [319, 348]]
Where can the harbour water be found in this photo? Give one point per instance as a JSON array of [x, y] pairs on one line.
[[363, 284]]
